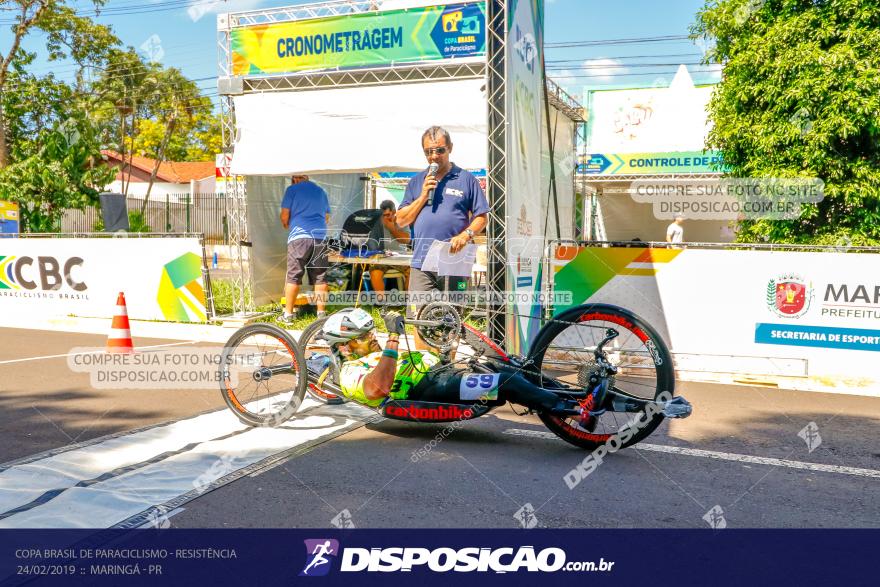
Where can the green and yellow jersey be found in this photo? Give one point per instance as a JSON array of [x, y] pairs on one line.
[[411, 369]]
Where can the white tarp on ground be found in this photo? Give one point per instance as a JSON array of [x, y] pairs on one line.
[[114, 479], [339, 129]]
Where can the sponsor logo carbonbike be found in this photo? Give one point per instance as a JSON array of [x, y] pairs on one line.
[[45, 272], [419, 413], [464, 560]]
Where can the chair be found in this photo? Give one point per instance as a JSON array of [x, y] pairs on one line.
[[391, 275]]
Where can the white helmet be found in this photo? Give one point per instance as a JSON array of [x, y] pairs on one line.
[[346, 325]]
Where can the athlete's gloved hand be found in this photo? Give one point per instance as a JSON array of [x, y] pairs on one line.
[[394, 323]]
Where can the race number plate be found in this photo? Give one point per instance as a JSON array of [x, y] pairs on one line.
[[476, 386]]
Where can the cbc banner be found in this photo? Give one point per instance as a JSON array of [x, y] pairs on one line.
[[54, 277], [798, 314]]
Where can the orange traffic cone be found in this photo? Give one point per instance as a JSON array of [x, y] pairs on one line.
[[119, 340]]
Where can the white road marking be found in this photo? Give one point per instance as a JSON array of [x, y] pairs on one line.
[[725, 456], [155, 346]]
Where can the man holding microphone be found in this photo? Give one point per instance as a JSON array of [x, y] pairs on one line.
[[443, 203]]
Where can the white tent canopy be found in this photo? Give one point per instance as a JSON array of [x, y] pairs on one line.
[[341, 130]]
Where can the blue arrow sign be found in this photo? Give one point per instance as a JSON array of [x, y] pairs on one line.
[[596, 164]]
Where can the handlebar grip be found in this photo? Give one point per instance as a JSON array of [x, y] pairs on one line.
[[394, 322]]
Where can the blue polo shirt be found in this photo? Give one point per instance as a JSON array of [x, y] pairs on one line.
[[457, 199], [308, 204]]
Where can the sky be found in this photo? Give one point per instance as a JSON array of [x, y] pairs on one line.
[[183, 34]]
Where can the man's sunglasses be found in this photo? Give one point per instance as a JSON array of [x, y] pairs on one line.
[[366, 337], [436, 151]]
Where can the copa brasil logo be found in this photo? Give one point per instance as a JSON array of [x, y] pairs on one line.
[[460, 31], [43, 272]]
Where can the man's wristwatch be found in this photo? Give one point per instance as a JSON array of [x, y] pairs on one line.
[[470, 234]]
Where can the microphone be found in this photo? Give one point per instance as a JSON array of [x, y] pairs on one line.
[[432, 171]]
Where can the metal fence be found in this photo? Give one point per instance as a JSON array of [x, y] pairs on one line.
[[167, 213]]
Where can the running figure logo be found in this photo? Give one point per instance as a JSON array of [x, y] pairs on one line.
[[318, 552]]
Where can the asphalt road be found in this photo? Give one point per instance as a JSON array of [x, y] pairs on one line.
[[46, 405], [739, 456]]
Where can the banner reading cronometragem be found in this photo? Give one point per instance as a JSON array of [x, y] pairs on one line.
[[161, 277], [361, 40]]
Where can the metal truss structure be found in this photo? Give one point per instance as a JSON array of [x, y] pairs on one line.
[[236, 189], [302, 12], [565, 103], [493, 68], [397, 73], [591, 179], [378, 76], [496, 162]]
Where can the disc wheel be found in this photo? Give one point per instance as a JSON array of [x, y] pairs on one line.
[[563, 358], [262, 376], [322, 363]]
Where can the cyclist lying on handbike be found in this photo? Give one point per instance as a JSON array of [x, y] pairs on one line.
[[370, 375]]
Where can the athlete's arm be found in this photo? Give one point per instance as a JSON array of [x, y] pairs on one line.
[[378, 382]]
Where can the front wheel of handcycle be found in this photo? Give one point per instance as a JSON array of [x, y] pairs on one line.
[[563, 357], [323, 365], [262, 375]]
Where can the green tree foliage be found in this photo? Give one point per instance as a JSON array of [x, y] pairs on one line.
[[197, 139], [67, 36], [800, 97], [32, 105], [59, 175], [52, 131], [154, 111], [54, 149]]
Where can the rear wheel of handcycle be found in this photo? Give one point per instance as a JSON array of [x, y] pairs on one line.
[[562, 356], [263, 377], [322, 363]]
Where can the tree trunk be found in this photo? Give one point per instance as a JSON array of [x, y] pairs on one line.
[[4, 148], [159, 157], [124, 188]]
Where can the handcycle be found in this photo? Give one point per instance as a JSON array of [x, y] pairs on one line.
[[610, 371]]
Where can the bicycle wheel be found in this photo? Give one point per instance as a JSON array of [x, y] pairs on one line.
[[563, 358], [262, 376], [319, 361]]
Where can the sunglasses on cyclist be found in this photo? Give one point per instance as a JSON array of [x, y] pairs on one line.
[[366, 337], [436, 151]]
